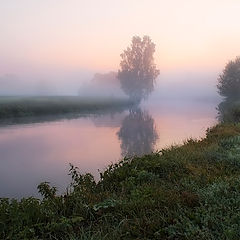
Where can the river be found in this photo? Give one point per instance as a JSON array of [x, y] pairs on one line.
[[35, 151]]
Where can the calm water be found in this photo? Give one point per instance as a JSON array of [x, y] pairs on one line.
[[34, 152]]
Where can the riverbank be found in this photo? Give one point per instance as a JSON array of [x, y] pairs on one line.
[[15, 107], [183, 192]]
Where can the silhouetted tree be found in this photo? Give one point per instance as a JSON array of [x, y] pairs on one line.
[[138, 134], [229, 80], [138, 72], [229, 111]]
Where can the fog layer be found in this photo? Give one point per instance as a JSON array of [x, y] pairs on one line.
[[170, 85]]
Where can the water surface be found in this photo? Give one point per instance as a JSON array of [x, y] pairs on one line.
[[38, 151]]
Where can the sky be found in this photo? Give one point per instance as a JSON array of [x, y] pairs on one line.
[[54, 38]]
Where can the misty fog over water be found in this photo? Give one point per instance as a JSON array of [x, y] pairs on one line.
[[42, 151], [170, 84]]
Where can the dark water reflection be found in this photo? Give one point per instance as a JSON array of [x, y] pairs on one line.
[[36, 150], [137, 133]]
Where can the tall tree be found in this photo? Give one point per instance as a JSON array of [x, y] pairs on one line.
[[138, 71], [229, 80]]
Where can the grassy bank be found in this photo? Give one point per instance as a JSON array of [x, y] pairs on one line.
[[183, 192], [14, 107]]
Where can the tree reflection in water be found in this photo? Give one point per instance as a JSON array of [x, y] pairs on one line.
[[137, 134]]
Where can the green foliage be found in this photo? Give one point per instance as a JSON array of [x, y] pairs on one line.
[[183, 192], [229, 80], [138, 71], [216, 217], [229, 111], [46, 190]]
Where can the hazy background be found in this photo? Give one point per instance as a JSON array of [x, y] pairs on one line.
[[56, 47]]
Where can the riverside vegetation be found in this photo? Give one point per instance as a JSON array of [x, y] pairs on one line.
[[15, 107], [190, 191]]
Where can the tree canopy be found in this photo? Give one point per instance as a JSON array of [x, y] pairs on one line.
[[229, 80], [138, 71]]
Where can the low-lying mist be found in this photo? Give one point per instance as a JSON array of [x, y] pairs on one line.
[[169, 86]]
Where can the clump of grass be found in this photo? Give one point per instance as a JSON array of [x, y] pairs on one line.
[[184, 192]]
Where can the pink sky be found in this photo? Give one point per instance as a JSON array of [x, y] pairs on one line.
[[91, 34]]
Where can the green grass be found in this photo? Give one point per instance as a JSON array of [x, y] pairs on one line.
[[15, 107], [183, 192]]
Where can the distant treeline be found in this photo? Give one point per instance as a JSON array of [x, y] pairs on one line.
[[14, 107]]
